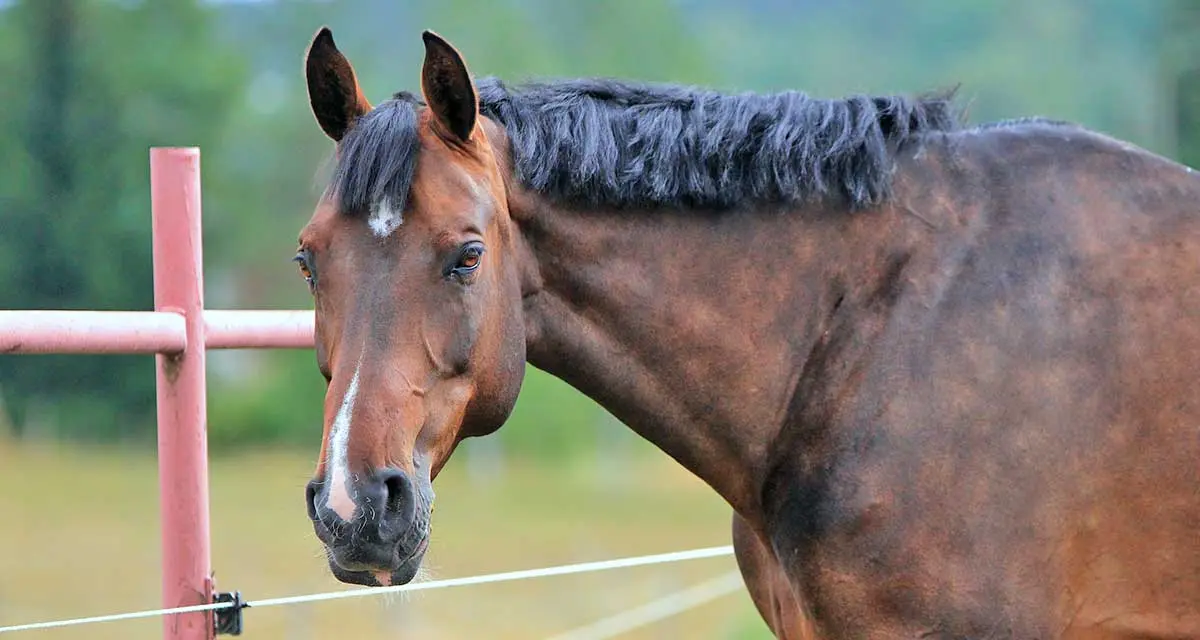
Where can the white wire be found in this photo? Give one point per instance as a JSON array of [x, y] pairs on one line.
[[656, 610], [113, 617], [585, 567]]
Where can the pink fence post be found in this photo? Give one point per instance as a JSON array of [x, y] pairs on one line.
[[182, 437]]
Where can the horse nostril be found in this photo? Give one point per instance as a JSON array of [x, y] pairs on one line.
[[310, 498], [398, 493]]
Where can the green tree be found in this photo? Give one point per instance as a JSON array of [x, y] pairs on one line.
[[92, 85]]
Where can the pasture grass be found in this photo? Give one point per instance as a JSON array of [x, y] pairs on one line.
[[79, 537]]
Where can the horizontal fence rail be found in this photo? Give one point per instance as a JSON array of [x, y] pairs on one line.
[[109, 332], [258, 329], [92, 332]]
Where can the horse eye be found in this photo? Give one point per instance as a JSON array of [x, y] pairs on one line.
[[468, 259], [304, 269]]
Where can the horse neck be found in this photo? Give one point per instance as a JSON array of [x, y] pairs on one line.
[[694, 329]]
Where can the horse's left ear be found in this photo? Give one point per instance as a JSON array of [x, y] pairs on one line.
[[447, 86]]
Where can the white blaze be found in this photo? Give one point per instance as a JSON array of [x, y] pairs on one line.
[[338, 471]]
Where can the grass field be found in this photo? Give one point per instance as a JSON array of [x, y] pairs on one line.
[[80, 537]]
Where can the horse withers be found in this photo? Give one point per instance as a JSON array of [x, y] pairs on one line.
[[948, 378]]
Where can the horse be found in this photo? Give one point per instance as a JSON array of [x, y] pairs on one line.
[[947, 377]]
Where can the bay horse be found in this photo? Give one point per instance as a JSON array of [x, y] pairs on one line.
[[947, 377]]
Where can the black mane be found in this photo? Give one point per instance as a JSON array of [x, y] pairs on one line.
[[623, 144]]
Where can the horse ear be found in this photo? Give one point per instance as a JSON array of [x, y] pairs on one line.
[[333, 91], [447, 87]]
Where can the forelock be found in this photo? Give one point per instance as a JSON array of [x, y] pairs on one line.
[[376, 161]]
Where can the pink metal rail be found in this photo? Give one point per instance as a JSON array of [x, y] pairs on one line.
[[178, 332], [149, 331]]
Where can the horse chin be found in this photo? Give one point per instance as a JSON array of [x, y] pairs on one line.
[[382, 578]]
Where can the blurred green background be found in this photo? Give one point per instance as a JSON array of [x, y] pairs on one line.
[[90, 85]]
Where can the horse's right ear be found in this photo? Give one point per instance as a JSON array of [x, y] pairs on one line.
[[333, 91]]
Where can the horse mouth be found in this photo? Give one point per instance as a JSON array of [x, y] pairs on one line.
[[403, 572]]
